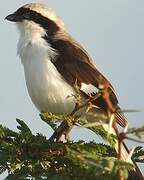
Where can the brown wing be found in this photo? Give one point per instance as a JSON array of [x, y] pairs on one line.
[[75, 65]]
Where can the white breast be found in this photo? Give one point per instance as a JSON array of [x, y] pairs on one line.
[[47, 89]]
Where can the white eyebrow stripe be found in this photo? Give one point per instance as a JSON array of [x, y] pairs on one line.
[[88, 88]]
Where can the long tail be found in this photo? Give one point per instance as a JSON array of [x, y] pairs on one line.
[[136, 173], [99, 114]]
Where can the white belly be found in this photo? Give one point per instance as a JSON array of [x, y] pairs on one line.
[[47, 89]]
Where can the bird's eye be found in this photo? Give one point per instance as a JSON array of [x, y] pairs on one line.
[[20, 12], [23, 13], [26, 16]]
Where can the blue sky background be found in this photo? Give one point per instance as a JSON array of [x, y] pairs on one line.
[[113, 34]]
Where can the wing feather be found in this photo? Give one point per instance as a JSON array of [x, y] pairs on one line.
[[74, 64]]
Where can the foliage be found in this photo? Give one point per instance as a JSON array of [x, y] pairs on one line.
[[28, 156]]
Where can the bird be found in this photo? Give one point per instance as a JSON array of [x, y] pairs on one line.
[[54, 61]]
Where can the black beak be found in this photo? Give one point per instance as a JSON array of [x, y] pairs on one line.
[[12, 17]]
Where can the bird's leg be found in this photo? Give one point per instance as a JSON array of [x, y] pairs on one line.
[[56, 136], [67, 136], [64, 128], [75, 117]]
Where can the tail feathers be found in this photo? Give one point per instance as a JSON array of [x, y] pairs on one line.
[[121, 119], [126, 156], [125, 152], [98, 114]]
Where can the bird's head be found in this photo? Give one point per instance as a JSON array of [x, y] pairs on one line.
[[37, 17]]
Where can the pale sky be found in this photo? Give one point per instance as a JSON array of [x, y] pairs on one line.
[[113, 34]]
